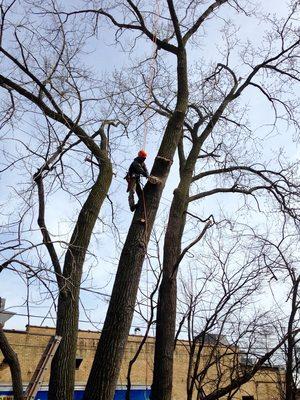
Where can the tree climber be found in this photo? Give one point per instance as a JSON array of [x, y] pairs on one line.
[[133, 176]]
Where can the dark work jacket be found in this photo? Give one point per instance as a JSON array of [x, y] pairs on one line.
[[138, 168]]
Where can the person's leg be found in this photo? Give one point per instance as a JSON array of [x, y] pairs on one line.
[[141, 202], [131, 200], [139, 192], [131, 187]]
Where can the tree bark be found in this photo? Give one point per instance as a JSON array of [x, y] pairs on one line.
[[161, 388], [106, 366], [12, 360]]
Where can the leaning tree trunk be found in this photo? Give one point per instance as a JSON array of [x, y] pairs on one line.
[[106, 366], [12, 360], [62, 378]]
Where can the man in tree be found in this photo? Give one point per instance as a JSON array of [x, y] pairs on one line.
[[133, 176]]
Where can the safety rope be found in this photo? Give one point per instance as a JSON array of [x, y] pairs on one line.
[[153, 70]]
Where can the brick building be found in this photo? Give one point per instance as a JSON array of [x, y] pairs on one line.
[[30, 344]]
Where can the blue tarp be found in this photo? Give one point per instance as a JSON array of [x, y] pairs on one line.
[[136, 394]]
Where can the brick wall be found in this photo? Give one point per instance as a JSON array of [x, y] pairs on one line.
[[30, 344]]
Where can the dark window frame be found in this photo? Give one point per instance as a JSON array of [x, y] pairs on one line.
[[78, 362]]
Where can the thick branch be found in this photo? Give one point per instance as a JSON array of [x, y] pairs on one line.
[[175, 22], [264, 64], [57, 116], [163, 44], [33, 77], [216, 116], [45, 233], [233, 189], [233, 168]]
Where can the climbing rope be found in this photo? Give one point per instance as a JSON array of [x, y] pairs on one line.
[[153, 70]]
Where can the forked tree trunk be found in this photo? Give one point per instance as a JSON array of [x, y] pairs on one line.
[[11, 359], [106, 366], [161, 388]]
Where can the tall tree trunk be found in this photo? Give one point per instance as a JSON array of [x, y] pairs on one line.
[[61, 385], [106, 366], [12, 360], [161, 388]]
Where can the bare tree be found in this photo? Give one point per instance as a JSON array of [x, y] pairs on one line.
[[193, 121], [197, 124], [44, 79], [228, 346], [281, 184], [280, 256]]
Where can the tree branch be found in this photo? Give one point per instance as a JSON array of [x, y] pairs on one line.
[[187, 248], [202, 18], [45, 233], [175, 22], [233, 189], [163, 44]]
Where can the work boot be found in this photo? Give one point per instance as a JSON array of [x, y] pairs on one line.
[[133, 207]]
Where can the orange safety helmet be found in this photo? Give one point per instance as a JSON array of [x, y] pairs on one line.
[[142, 153]]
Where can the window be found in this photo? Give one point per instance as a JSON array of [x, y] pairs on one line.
[[79, 361]]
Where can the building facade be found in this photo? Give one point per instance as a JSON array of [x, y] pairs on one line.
[[30, 344]]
